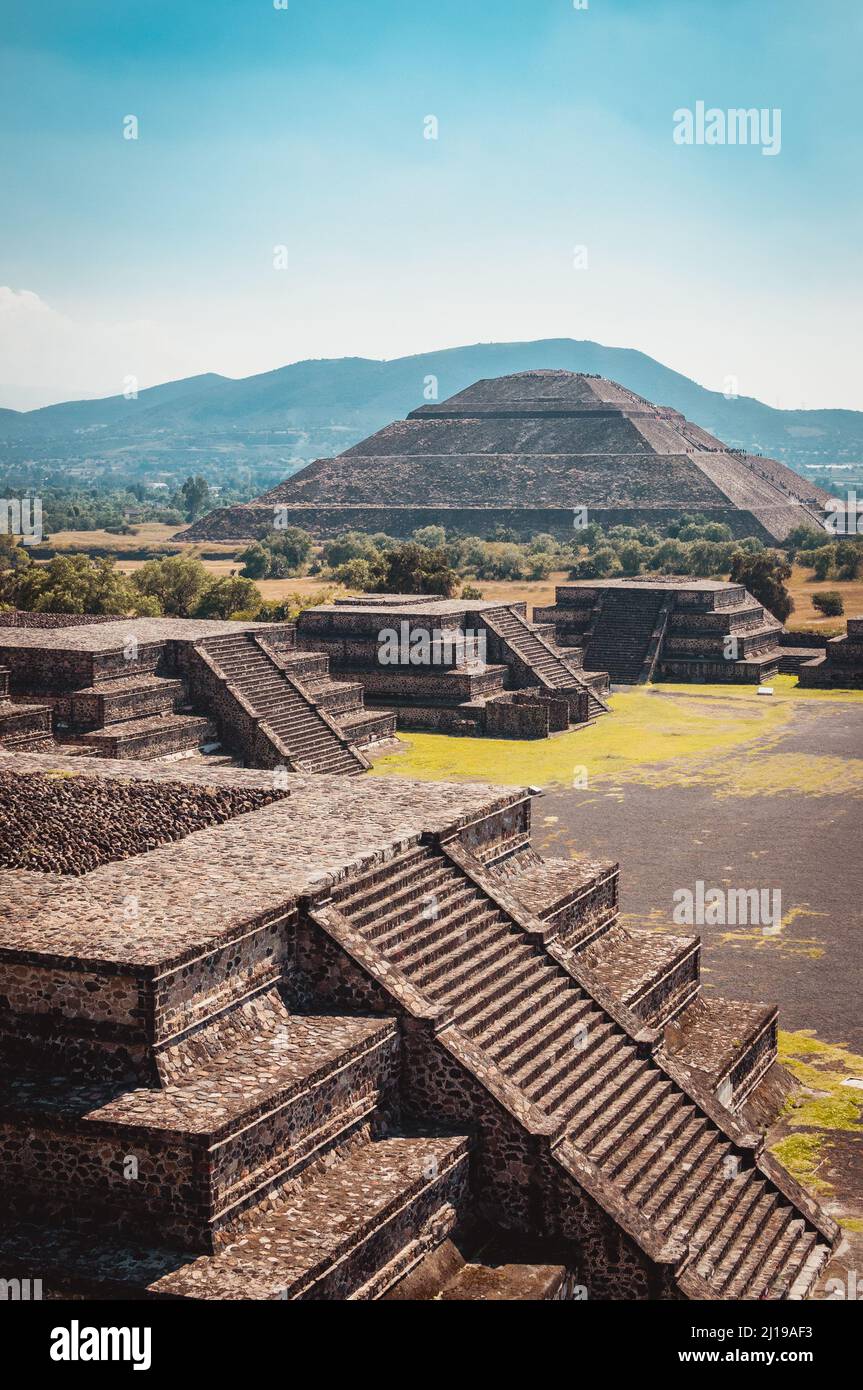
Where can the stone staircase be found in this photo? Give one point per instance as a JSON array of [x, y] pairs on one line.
[[622, 632], [342, 700], [256, 689], [522, 642], [665, 1161], [667, 628]]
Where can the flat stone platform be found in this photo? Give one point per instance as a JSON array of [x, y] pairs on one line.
[[161, 906], [109, 637]]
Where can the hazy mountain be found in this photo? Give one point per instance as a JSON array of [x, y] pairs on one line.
[[358, 395]]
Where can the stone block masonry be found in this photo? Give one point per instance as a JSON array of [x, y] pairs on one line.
[[300, 1051], [522, 686], [75, 823], [841, 665], [671, 628]]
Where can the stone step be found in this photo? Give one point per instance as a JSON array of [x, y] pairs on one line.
[[654, 974], [552, 1087], [499, 1005], [455, 989], [780, 1259], [411, 948], [679, 1144], [546, 1023], [607, 1101], [376, 913], [348, 1233], [704, 1184], [740, 1225], [701, 1160], [609, 1061], [665, 1120], [617, 1123], [731, 1044], [351, 891], [714, 1214], [770, 1218], [367, 725], [135, 697], [151, 737], [216, 1139], [336, 697]]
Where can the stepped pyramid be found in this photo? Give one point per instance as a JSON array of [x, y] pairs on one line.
[[166, 687], [524, 451], [359, 1041]]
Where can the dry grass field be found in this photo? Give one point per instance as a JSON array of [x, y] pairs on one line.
[[147, 533], [802, 588]]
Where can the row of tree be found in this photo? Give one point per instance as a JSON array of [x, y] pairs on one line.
[[177, 586]]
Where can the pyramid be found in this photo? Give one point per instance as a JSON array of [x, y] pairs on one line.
[[529, 452]]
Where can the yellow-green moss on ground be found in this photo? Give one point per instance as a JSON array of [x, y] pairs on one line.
[[660, 736], [822, 1113]]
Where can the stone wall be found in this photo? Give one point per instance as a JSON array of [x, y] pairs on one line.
[[19, 618], [255, 523]]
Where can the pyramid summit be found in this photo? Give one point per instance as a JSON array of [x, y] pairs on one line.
[[528, 451]]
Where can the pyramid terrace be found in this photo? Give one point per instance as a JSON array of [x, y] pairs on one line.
[[354, 1039], [669, 629]]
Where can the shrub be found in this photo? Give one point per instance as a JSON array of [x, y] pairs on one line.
[[848, 559], [255, 561], [825, 559], [177, 583], [805, 538], [368, 574], [631, 557], [829, 603], [419, 569], [433, 537]]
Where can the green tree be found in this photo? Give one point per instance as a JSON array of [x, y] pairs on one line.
[[419, 569], [765, 575], [196, 496], [601, 563], [351, 545], [177, 583], [805, 537], [14, 560], [631, 557], [367, 575], [671, 557], [849, 555], [228, 595], [290, 549], [79, 584], [829, 603], [433, 537], [255, 561], [824, 560]]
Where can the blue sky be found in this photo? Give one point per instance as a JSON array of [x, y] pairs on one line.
[[303, 128]]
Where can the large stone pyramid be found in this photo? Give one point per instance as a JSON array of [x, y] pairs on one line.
[[528, 451]]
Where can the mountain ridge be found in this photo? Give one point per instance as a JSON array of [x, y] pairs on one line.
[[360, 394]]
